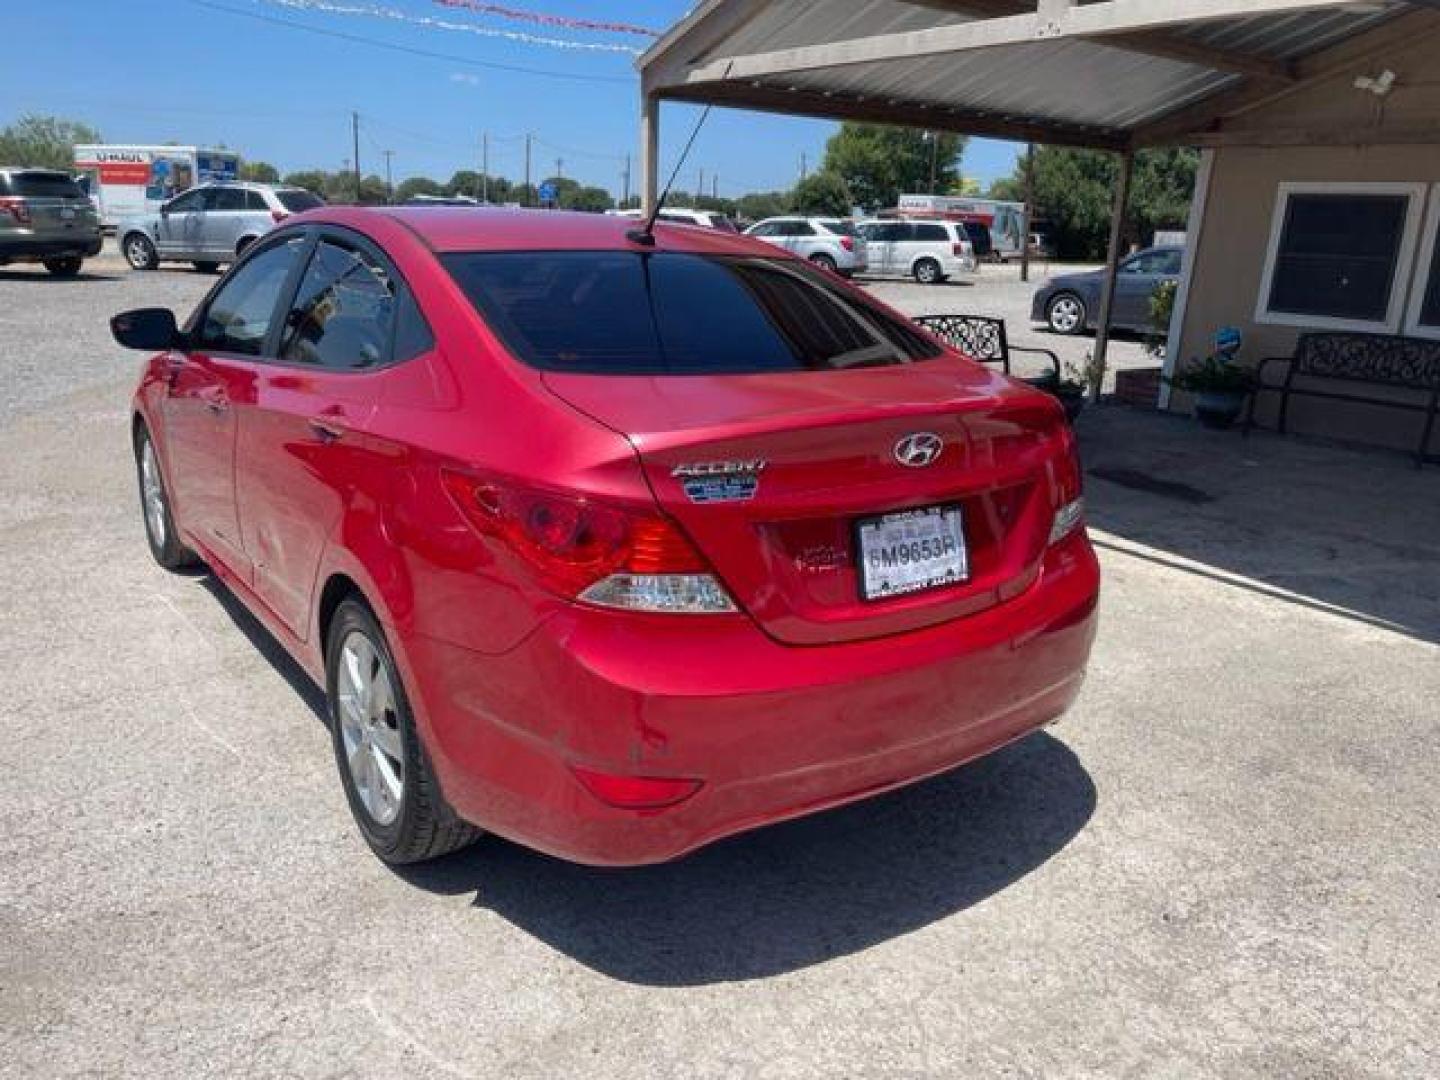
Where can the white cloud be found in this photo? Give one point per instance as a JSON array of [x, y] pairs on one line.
[[465, 78]]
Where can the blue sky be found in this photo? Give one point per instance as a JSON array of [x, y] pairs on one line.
[[213, 71]]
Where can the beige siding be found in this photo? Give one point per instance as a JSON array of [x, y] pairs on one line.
[[1231, 248]]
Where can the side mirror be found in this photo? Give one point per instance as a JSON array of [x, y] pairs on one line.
[[148, 329]]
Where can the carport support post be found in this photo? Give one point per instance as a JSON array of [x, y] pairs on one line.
[[649, 153], [1112, 264]]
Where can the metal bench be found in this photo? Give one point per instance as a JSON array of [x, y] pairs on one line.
[[1377, 359], [982, 338]]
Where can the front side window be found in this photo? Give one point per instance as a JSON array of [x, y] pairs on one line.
[[1336, 255], [626, 313], [187, 203], [238, 317], [343, 314]]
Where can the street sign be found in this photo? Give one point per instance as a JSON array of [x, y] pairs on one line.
[[547, 192]]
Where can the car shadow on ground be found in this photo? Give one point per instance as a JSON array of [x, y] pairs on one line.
[[268, 647], [793, 895], [39, 274]]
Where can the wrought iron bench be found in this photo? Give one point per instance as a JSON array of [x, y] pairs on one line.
[[1376, 359], [982, 338]]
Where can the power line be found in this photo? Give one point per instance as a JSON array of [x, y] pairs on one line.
[[449, 58]]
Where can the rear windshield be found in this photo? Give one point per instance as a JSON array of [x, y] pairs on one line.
[[628, 313], [40, 185], [297, 202]]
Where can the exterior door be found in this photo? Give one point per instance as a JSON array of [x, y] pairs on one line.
[[209, 389], [179, 223], [1136, 282], [881, 249], [223, 220], [304, 446]]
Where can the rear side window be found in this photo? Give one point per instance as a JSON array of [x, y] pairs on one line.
[[40, 185], [238, 318], [297, 201], [625, 313], [255, 201], [344, 312], [840, 228], [931, 233], [226, 199]]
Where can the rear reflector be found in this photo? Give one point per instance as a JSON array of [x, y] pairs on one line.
[[278, 216], [636, 792], [847, 243], [16, 208]]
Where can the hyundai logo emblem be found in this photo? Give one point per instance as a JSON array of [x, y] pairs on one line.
[[918, 450]]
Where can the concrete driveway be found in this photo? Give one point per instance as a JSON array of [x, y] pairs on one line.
[[1222, 863]]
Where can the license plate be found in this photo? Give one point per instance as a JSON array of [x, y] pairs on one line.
[[912, 551]]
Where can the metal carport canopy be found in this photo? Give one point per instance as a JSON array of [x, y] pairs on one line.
[[1107, 74]]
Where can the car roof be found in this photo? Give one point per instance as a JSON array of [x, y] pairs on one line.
[[477, 228]]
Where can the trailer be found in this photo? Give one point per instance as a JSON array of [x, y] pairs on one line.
[[125, 181]]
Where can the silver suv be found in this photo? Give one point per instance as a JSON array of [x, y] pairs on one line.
[[928, 251], [210, 224], [829, 243], [45, 217]]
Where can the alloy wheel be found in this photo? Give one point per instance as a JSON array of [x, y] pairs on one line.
[[152, 492], [1065, 314], [370, 729]]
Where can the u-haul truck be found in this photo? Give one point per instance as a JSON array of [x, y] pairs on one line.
[[128, 180]]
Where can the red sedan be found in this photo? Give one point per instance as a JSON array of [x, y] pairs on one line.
[[609, 546]]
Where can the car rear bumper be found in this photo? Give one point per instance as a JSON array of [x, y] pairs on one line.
[[771, 731], [43, 247]]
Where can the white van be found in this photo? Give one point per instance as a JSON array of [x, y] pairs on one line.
[[928, 251]]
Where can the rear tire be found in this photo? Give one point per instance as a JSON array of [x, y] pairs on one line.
[[824, 262], [140, 252], [69, 266], [928, 272], [1066, 314], [160, 531], [207, 267], [386, 773]]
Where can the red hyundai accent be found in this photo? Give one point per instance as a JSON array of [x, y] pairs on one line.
[[611, 547]]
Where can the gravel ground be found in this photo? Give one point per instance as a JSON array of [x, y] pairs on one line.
[[1223, 863]]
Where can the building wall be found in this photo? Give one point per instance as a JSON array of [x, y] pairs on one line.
[[1233, 239]]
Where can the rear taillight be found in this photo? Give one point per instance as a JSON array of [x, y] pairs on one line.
[[16, 208], [1067, 480], [960, 250], [278, 216], [848, 243], [585, 550]]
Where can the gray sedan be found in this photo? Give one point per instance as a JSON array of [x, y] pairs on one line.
[[210, 224], [1070, 303]]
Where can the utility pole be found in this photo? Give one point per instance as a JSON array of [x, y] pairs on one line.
[[700, 188], [559, 168], [804, 167], [528, 137], [1027, 215], [625, 197], [389, 178], [484, 167], [934, 138], [355, 136], [715, 186]]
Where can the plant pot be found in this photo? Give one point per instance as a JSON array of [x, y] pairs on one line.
[[1219, 409]]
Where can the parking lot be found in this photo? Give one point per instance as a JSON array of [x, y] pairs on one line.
[[1223, 862]]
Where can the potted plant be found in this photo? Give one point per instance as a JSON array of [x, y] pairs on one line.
[[1068, 388], [1220, 385]]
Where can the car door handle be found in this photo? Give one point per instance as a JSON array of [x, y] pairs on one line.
[[327, 431]]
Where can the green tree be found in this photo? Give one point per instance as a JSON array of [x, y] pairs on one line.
[[759, 205], [1074, 191], [417, 185], [259, 172], [824, 194], [880, 163], [593, 199], [44, 141], [314, 180]]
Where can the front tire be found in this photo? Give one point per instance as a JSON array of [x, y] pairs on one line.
[[160, 531], [824, 262], [140, 252], [392, 791], [1066, 314], [928, 272], [68, 266]]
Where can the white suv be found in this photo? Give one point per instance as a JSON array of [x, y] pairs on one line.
[[928, 251], [829, 243]]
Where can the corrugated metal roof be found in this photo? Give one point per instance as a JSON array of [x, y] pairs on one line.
[[1083, 83]]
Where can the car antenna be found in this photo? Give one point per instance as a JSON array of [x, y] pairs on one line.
[[646, 233]]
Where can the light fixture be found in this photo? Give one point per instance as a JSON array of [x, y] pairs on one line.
[[1379, 85]]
